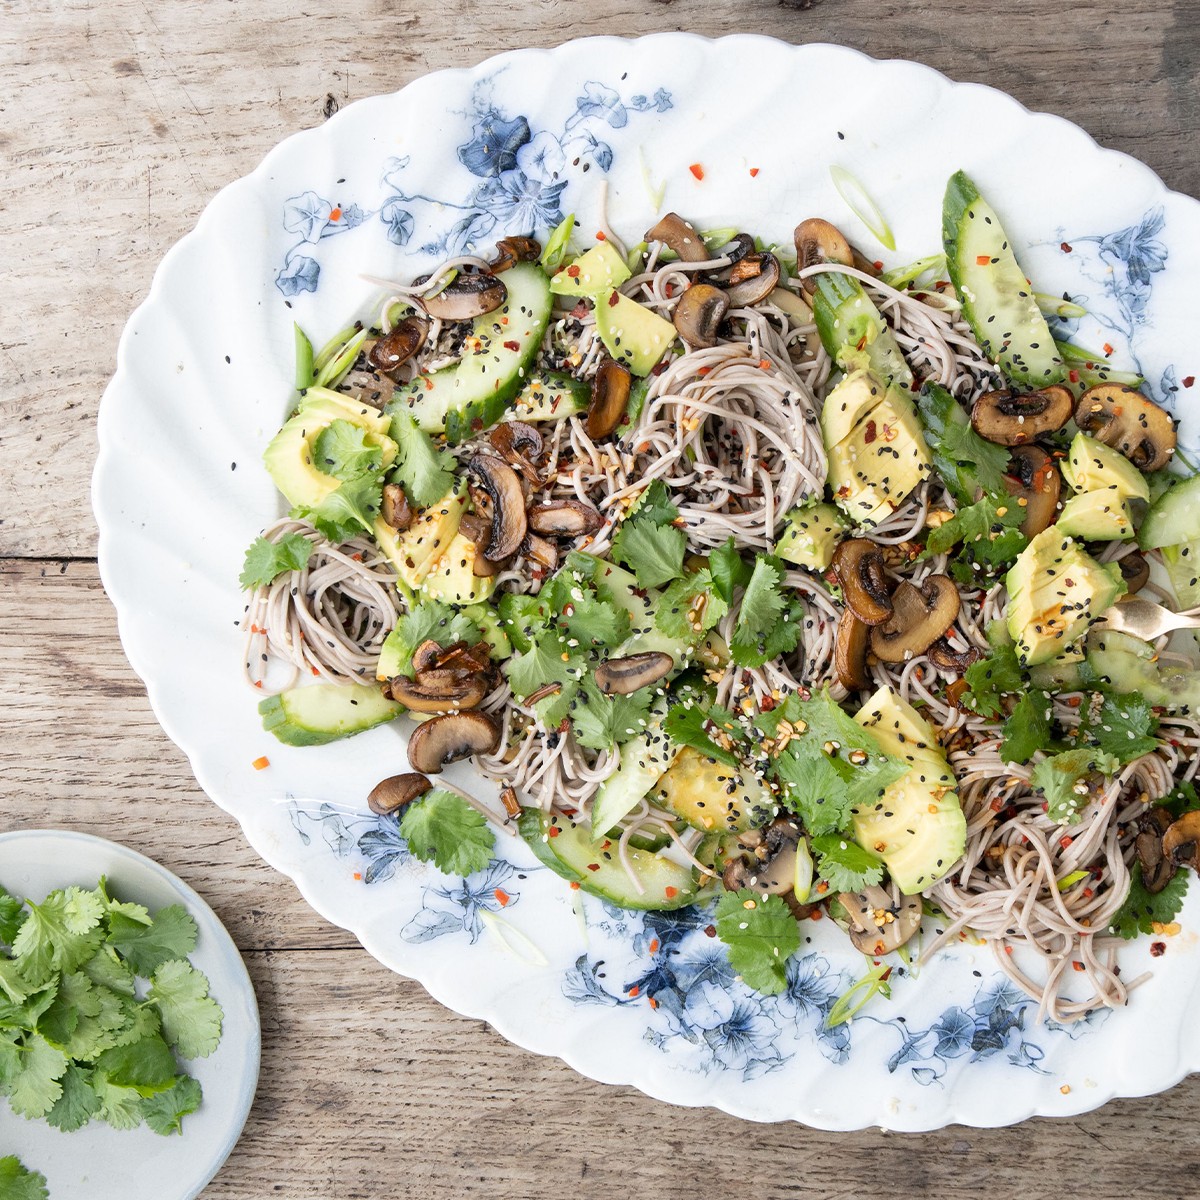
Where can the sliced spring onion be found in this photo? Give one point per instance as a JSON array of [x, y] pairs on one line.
[[556, 244], [1094, 368], [1078, 355], [851, 1002], [804, 872], [396, 310], [304, 360], [859, 202], [1069, 881], [1056, 306], [656, 194], [330, 375], [901, 277], [633, 259], [445, 281], [718, 239], [512, 940], [333, 347]]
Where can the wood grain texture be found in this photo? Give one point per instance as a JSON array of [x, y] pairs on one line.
[[122, 119]]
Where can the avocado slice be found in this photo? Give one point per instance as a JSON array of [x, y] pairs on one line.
[[809, 535], [631, 333], [1099, 516], [414, 551], [710, 795], [451, 576], [594, 273], [1091, 466]]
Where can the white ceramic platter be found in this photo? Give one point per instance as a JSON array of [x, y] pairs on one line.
[[98, 1162], [455, 160]]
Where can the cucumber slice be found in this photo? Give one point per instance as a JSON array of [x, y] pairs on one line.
[[997, 300], [569, 851], [644, 759], [552, 396], [853, 330], [1183, 570], [1174, 517], [475, 392], [317, 713]]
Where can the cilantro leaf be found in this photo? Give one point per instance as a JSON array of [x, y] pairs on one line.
[[767, 624], [761, 935], [1182, 800], [987, 529], [34, 1088], [845, 865], [12, 916], [105, 969], [164, 1111], [654, 505], [524, 617], [346, 512], [600, 722], [963, 459], [146, 948], [1061, 778], [690, 602], [267, 560], [59, 934], [425, 472], [429, 620], [816, 792], [593, 621], [341, 449], [1027, 730], [191, 1019], [729, 569], [654, 553], [78, 1102], [990, 678], [1123, 726], [17, 1182], [146, 1064], [546, 661], [1143, 910], [444, 829], [687, 725], [121, 1107]]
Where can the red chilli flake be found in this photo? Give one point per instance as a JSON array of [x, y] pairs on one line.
[[653, 1002], [670, 892], [878, 264], [358, 877], [1077, 965], [982, 260], [1108, 350], [635, 991], [593, 866], [870, 434], [753, 172], [1073, 376], [573, 271], [654, 945], [335, 214], [1065, 247], [502, 897], [1158, 949], [554, 831], [512, 345], [697, 170], [710, 931], [1188, 380], [1065, 842], [614, 299], [260, 763], [600, 235]]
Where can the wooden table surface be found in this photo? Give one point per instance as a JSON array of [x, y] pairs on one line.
[[121, 119]]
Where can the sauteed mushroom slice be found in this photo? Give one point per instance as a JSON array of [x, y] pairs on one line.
[[1123, 418], [1157, 867], [623, 676], [818, 241], [1181, 842], [540, 551], [564, 518], [443, 740], [444, 696], [881, 919], [428, 654], [392, 794], [468, 295], [394, 507], [610, 398], [517, 438], [1034, 478], [394, 349], [752, 279], [513, 250], [1011, 418], [921, 615], [699, 314], [947, 658], [681, 236], [1135, 570], [850, 651], [859, 567], [499, 482], [740, 245], [767, 863]]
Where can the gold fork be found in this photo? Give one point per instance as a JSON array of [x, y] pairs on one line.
[[1146, 620]]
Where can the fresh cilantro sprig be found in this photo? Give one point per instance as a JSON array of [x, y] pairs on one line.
[[845, 865], [17, 1182], [428, 621], [761, 935], [965, 461], [1122, 726], [993, 677], [728, 569], [425, 472], [769, 623], [267, 560], [1027, 729], [342, 450], [1063, 779], [690, 606], [1143, 909], [346, 512], [442, 828], [76, 1042], [648, 542], [689, 724], [990, 535]]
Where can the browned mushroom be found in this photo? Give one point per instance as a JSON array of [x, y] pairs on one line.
[[818, 241], [850, 651], [1181, 842], [767, 863], [623, 676], [540, 551], [468, 658], [468, 295], [513, 250], [752, 279], [564, 518], [394, 507], [699, 314], [428, 654], [1157, 867], [610, 399], [442, 740], [392, 794], [1033, 478], [738, 247], [881, 919], [920, 616], [517, 442], [1135, 570], [1011, 418], [499, 482], [467, 692], [394, 349], [944, 656], [1123, 418], [858, 565], [681, 236]]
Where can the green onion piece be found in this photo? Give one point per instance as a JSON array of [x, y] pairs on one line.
[[396, 311], [330, 375], [1069, 881], [1079, 354], [443, 284], [1095, 368], [656, 194], [304, 359], [862, 206], [873, 983], [901, 277], [333, 347], [556, 244], [717, 239], [633, 260], [512, 940], [1055, 306], [804, 872]]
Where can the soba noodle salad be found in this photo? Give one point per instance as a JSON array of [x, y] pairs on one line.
[[757, 577]]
